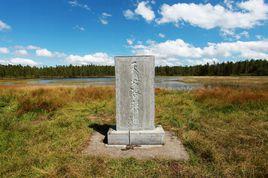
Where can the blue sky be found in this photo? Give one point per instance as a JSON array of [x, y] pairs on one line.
[[62, 32]]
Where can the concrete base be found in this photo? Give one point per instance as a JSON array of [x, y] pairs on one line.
[[172, 150], [144, 137]]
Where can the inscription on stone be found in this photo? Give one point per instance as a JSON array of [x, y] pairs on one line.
[[135, 94]]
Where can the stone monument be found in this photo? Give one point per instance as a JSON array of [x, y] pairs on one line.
[[135, 104]]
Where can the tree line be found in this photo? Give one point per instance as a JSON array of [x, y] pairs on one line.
[[248, 67]]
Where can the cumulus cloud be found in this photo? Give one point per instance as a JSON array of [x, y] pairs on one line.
[[129, 14], [249, 14], [21, 52], [46, 53], [4, 50], [143, 9], [96, 58], [178, 52], [17, 61], [4, 26], [229, 4], [43, 53], [39, 52]]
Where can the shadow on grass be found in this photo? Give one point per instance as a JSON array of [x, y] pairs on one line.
[[102, 129]]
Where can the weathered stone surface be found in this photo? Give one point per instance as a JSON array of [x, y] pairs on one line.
[[147, 137], [137, 137], [118, 137], [134, 92], [135, 103]]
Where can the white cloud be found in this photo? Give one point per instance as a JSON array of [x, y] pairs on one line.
[[230, 34], [104, 18], [23, 61], [29, 47], [40, 52], [129, 14], [17, 61], [32, 47], [4, 50], [178, 52], [59, 54], [4, 26], [129, 41], [103, 21], [249, 14], [80, 28], [161, 35], [46, 53], [21, 52], [3, 62], [75, 3], [96, 58], [106, 14], [144, 10], [229, 4], [43, 53]]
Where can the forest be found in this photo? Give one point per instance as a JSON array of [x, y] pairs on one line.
[[245, 68]]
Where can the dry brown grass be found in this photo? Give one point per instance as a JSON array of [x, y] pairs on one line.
[[90, 93], [256, 80], [51, 98], [42, 100], [231, 96]]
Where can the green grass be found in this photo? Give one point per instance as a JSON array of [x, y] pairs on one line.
[[44, 131]]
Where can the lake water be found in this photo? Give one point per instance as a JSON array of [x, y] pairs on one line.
[[160, 82]]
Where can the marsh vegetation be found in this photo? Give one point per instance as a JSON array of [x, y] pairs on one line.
[[44, 130]]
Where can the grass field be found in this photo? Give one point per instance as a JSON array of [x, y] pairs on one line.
[[43, 132]]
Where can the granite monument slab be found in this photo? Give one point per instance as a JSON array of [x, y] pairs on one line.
[[135, 105]]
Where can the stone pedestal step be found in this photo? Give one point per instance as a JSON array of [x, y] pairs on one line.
[[137, 137]]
